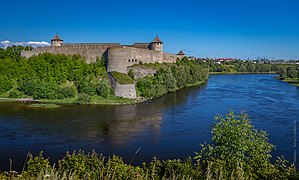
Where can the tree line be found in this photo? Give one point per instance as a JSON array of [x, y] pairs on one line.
[[242, 66], [291, 71], [171, 77]]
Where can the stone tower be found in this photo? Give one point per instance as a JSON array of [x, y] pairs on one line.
[[56, 41], [156, 44]]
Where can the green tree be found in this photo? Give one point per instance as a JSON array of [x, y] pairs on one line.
[[104, 89], [292, 72], [237, 148]]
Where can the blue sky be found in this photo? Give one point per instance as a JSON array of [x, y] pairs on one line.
[[204, 28]]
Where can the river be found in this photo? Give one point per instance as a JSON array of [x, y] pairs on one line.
[[170, 127]]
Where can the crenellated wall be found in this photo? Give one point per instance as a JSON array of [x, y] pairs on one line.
[[89, 51], [118, 57], [171, 58]]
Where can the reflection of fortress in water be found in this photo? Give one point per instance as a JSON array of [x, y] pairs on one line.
[[131, 121]]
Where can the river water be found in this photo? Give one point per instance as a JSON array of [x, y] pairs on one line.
[[170, 127]]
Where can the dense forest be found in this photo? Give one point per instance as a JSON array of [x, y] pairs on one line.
[[49, 76], [170, 77], [237, 151]]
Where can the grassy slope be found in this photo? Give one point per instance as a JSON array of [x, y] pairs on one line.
[[294, 81], [122, 78]]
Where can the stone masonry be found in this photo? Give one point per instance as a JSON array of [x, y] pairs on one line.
[[119, 57]]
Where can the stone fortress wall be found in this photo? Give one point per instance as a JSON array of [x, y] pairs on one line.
[[89, 51], [119, 57]]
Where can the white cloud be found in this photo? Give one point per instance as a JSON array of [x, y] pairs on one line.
[[41, 43], [4, 44]]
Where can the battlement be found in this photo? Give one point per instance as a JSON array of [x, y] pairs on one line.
[[119, 57]]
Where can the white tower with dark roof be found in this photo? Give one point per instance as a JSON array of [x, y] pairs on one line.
[[156, 44], [56, 41]]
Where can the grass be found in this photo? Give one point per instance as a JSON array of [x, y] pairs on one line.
[[59, 101], [112, 100], [43, 105], [294, 81], [122, 78]]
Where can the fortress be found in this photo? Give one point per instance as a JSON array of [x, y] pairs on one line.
[[118, 57]]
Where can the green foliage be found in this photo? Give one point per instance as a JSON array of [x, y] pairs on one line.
[[101, 61], [39, 89], [242, 66], [289, 71], [66, 92], [5, 84], [42, 105], [104, 89], [238, 149], [83, 98], [15, 94], [172, 169], [37, 165], [292, 72], [82, 165], [44, 76], [122, 78], [87, 86], [131, 74], [170, 77]]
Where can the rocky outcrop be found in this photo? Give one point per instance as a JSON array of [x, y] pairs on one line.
[[140, 71]]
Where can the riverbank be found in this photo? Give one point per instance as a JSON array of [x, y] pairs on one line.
[[94, 100], [293, 81], [215, 73]]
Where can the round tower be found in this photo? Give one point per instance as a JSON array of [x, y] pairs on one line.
[[156, 44], [56, 41]]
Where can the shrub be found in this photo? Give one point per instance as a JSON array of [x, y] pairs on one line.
[[5, 84], [15, 94], [104, 89], [39, 89], [37, 165], [66, 92], [238, 149], [87, 86], [131, 74], [83, 98], [82, 165]]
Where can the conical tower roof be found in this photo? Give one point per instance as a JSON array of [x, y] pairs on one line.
[[181, 53], [157, 40], [57, 38]]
